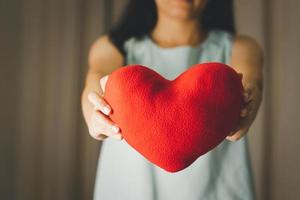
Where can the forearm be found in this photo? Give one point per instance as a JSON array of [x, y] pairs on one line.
[[252, 75], [92, 84]]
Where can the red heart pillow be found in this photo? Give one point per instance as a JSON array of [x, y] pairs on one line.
[[173, 122]]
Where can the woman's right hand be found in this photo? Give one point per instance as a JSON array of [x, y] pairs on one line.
[[100, 125]]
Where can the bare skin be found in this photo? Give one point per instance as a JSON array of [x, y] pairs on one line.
[[103, 59], [176, 26], [247, 59]]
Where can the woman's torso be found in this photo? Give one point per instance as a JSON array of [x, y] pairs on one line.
[[223, 173]]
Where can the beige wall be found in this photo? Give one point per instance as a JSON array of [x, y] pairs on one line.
[[284, 119], [275, 134], [46, 152], [250, 20]]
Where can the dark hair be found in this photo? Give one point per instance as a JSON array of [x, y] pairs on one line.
[[140, 16]]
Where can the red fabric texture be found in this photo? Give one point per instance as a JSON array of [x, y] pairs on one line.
[[173, 122]]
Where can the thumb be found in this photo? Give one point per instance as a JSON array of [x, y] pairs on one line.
[[103, 81]]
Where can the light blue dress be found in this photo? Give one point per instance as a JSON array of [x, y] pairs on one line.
[[222, 174]]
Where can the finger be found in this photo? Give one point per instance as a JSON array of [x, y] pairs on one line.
[[244, 112], [234, 131], [248, 109], [103, 82], [238, 127], [234, 137], [248, 93], [118, 137], [247, 96], [105, 126], [99, 103], [96, 135], [237, 135], [101, 137]]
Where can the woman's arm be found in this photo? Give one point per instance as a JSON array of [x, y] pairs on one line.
[[103, 59], [247, 58]]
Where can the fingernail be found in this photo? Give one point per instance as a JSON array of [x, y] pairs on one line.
[[115, 129], [118, 136], [106, 110], [103, 80]]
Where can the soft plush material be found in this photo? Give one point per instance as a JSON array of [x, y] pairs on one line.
[[173, 122]]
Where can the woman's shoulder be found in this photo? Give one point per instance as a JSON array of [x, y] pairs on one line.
[[246, 52], [245, 42], [244, 45], [103, 53]]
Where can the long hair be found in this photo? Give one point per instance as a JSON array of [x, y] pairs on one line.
[[140, 16]]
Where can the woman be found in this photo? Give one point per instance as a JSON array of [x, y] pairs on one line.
[[169, 36]]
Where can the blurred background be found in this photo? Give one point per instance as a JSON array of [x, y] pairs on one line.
[[45, 149]]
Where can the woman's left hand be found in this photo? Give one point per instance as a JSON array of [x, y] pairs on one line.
[[252, 99]]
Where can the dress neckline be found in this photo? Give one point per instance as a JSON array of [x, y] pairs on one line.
[[181, 47]]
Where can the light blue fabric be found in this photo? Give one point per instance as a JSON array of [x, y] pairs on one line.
[[222, 174]]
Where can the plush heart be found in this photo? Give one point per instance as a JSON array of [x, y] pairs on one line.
[[173, 122]]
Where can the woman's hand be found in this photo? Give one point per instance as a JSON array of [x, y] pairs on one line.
[[247, 59], [100, 125], [252, 99]]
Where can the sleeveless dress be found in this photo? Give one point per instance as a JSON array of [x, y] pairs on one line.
[[222, 174]]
